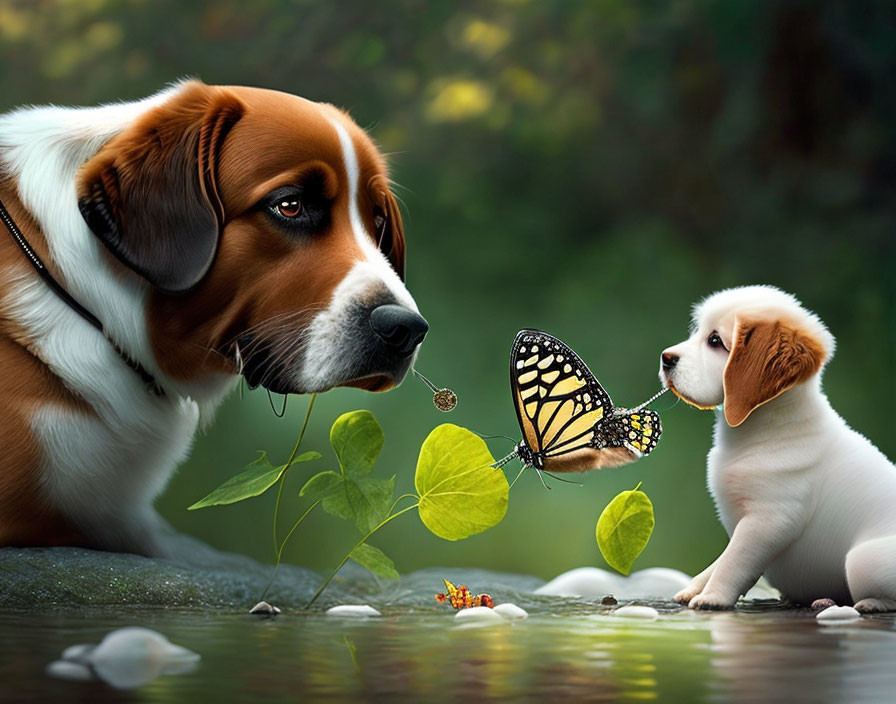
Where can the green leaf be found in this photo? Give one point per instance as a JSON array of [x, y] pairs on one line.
[[461, 494], [321, 484], [357, 439], [623, 529], [375, 560], [257, 478], [364, 500]]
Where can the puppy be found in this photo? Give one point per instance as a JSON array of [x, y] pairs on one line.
[[151, 252], [806, 500]]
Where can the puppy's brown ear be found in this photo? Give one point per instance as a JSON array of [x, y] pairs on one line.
[[766, 359], [150, 194]]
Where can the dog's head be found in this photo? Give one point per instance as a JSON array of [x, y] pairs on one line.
[[747, 346], [267, 236]]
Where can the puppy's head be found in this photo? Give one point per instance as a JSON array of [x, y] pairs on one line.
[[265, 234], [747, 346]]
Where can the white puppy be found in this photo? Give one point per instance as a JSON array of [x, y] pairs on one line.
[[806, 500]]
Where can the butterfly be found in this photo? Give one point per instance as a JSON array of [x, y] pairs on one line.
[[461, 598], [568, 421]]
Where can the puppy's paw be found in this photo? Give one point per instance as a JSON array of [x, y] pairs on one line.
[[685, 595], [870, 606], [709, 601]]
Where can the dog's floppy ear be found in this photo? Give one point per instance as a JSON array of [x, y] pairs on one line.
[[767, 358], [150, 194]]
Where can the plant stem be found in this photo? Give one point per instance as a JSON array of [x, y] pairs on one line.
[[283, 476], [357, 545], [283, 545]]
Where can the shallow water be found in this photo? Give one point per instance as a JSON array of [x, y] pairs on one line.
[[566, 650]]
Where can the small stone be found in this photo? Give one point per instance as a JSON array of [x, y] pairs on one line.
[[130, 657], [65, 670], [822, 604], [353, 611], [478, 614], [263, 608], [77, 653], [645, 613], [511, 612], [609, 600], [837, 614]]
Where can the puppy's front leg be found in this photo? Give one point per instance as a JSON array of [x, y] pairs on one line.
[[696, 586], [755, 542]]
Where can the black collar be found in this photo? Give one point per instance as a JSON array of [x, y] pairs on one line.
[[35, 261]]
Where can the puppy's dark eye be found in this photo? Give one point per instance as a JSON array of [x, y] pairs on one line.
[[298, 209], [289, 207], [715, 341]]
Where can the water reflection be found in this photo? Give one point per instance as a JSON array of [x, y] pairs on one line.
[[770, 655]]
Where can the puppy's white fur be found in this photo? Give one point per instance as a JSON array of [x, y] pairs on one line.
[[806, 500]]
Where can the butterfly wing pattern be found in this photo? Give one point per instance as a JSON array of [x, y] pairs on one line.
[[568, 420]]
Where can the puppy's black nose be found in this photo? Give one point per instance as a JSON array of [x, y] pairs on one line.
[[400, 328], [669, 360]]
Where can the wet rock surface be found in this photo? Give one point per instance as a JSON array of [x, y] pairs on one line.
[[59, 578]]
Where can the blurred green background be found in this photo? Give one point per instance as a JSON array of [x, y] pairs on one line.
[[588, 168]]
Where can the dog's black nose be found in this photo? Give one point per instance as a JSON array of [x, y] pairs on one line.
[[669, 360], [400, 328]]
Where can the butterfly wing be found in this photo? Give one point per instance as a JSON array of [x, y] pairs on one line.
[[637, 431], [558, 400]]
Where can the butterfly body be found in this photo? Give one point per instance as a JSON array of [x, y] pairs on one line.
[[568, 421]]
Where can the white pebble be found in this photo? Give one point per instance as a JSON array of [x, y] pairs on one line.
[[477, 614], [77, 653], [353, 611], [69, 671], [646, 613], [129, 657], [837, 614], [511, 612]]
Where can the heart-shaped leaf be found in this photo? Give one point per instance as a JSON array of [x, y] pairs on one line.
[[624, 528], [375, 560], [321, 485], [257, 478], [364, 500], [357, 439], [461, 494]]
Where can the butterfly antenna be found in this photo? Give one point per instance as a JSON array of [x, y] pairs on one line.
[[561, 479], [504, 460], [492, 437], [652, 398], [542, 479]]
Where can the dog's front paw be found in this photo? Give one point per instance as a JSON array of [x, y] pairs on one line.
[[871, 606], [685, 595], [709, 601]]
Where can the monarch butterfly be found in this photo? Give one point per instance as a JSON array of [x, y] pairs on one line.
[[568, 421]]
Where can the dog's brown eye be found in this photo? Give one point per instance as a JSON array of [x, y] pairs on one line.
[[715, 341], [289, 208]]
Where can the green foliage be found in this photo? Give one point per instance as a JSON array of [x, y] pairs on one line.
[[375, 560], [357, 439], [461, 494], [624, 528], [258, 477]]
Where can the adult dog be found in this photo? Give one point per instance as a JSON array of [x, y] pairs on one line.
[[805, 499], [157, 250]]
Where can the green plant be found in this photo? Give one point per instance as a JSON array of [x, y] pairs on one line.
[[624, 527], [458, 491]]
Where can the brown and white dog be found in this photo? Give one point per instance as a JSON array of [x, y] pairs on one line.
[[806, 500], [213, 231]]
